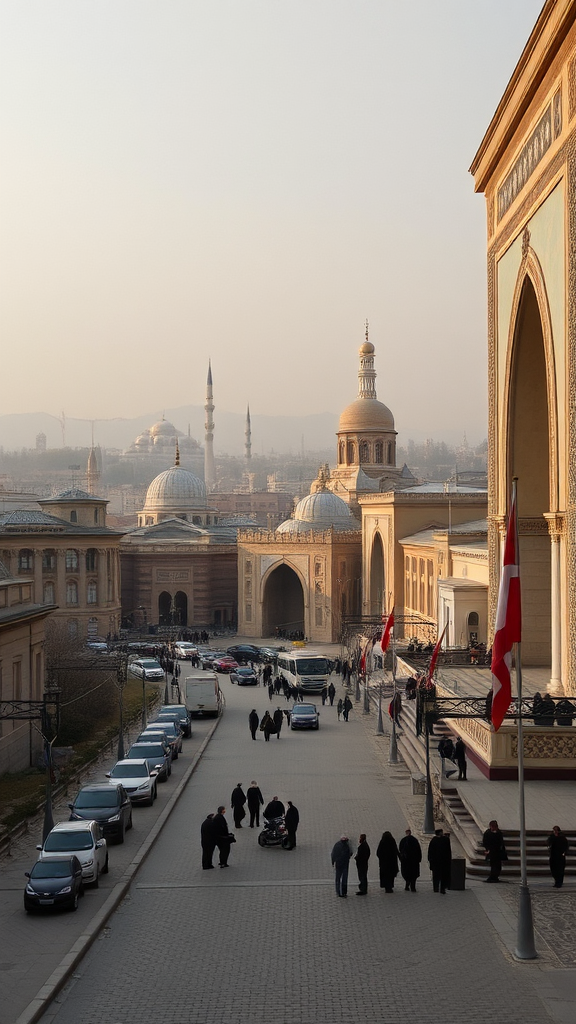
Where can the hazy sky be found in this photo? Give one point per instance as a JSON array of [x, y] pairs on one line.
[[247, 180]]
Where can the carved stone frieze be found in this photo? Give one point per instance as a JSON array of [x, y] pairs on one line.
[[546, 746], [530, 526], [532, 152]]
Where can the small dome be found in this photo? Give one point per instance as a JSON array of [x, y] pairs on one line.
[[366, 414], [367, 349], [175, 490], [321, 510]]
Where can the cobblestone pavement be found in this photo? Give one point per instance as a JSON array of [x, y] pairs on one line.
[[265, 941]]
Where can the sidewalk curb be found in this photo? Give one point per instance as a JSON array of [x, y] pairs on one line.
[[60, 976]]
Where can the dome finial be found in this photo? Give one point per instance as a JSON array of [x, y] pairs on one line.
[[177, 462], [366, 331]]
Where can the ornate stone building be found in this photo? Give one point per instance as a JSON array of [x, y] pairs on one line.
[[526, 167]]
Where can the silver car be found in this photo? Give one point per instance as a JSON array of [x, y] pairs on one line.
[[146, 668], [83, 839], [137, 779]]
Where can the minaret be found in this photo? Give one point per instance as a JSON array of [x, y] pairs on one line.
[[92, 472], [209, 468], [248, 436], [366, 372]]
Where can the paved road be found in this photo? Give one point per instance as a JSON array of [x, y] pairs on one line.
[[267, 940]]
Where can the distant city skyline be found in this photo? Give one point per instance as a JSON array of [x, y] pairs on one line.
[[248, 183]]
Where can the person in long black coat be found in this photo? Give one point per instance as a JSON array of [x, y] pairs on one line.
[[387, 853], [410, 858], [222, 836], [253, 722], [207, 841], [274, 809], [278, 717], [237, 801], [557, 844], [255, 800], [495, 850], [362, 856], [292, 819], [440, 860]]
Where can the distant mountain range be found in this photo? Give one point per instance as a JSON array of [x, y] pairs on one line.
[[284, 434]]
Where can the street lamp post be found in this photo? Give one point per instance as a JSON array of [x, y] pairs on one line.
[[121, 678], [49, 730], [393, 752], [144, 715]]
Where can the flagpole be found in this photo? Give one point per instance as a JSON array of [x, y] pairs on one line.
[[393, 752], [525, 948]]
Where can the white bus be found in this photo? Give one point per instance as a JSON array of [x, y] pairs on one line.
[[309, 672]]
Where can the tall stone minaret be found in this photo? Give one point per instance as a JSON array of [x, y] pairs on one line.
[[209, 467], [92, 472], [248, 436]]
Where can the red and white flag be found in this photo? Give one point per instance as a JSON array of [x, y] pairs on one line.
[[434, 657], [508, 627], [386, 632]]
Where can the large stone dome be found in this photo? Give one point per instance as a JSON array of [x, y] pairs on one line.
[[321, 510], [175, 490], [366, 414], [163, 429]]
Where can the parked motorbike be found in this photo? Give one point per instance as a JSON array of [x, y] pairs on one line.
[[274, 833]]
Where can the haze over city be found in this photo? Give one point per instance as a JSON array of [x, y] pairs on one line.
[[248, 182]]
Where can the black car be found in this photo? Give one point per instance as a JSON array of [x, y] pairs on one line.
[[53, 883], [182, 712], [244, 652], [107, 803], [244, 676]]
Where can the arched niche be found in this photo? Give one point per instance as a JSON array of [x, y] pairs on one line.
[[377, 577], [283, 602]]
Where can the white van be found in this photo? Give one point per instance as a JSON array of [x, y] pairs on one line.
[[202, 694], [309, 672]]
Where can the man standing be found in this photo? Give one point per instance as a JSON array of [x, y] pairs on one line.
[[255, 799], [410, 858], [207, 841], [347, 707], [223, 837], [340, 857], [278, 717], [495, 850], [237, 801], [253, 722], [331, 693], [275, 809], [362, 857], [292, 819], [558, 848], [440, 860], [460, 755]]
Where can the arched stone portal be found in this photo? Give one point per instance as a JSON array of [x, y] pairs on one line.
[[164, 608], [180, 609], [283, 602], [377, 595]]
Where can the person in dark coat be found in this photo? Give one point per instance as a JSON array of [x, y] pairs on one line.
[[237, 801], [292, 819], [495, 850], [324, 695], [557, 844], [539, 709], [267, 725], [387, 853], [278, 717], [340, 857], [346, 707], [270, 689], [223, 836], [207, 841], [340, 707], [253, 722], [331, 693], [255, 800], [362, 857], [565, 712], [440, 860], [460, 755], [410, 858], [274, 809]]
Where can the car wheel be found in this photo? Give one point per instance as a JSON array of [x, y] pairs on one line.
[[74, 905], [105, 868], [262, 840]]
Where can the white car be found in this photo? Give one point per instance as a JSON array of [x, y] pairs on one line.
[[185, 651], [82, 839], [146, 668], [137, 779]]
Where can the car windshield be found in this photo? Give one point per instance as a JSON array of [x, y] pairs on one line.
[[245, 672], [305, 709], [57, 841], [128, 771], [51, 869], [146, 750], [148, 663], [169, 728], [312, 666], [99, 798]]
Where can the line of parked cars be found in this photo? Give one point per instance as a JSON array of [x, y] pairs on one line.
[[75, 852]]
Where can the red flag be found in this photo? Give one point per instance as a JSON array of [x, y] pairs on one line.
[[508, 628], [434, 658], [386, 633]]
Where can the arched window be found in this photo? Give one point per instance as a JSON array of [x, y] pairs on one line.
[[95, 517], [48, 593], [91, 559], [71, 560], [92, 592], [71, 592], [389, 452], [48, 561], [364, 451], [341, 453], [379, 452], [25, 560], [351, 453], [73, 516]]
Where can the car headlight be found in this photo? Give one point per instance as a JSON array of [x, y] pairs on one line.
[[88, 863], [116, 817], [30, 890], [62, 892], [144, 785]]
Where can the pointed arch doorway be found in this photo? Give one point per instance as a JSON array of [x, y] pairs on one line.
[[283, 603], [378, 603]]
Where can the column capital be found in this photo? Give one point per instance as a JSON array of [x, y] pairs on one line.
[[555, 522]]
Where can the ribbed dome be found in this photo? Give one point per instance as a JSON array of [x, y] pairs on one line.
[[175, 490], [320, 511], [163, 427], [366, 414]]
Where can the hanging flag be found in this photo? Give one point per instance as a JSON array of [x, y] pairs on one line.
[[508, 627], [386, 633], [434, 658]]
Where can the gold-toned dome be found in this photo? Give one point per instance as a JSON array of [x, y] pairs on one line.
[[366, 414], [367, 349]]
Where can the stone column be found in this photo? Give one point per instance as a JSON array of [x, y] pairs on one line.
[[102, 579], [555, 528], [61, 579]]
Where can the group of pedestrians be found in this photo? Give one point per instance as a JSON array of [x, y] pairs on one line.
[[270, 725], [215, 832], [405, 857], [456, 753]]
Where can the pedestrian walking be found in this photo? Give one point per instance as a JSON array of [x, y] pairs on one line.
[[495, 850], [223, 836], [340, 708], [278, 718], [207, 841], [410, 859], [460, 755], [270, 689], [274, 809], [331, 693], [346, 707], [267, 726], [362, 857], [237, 801], [387, 853], [440, 860], [255, 800], [292, 820], [340, 857], [557, 844], [253, 722], [287, 716], [324, 695]]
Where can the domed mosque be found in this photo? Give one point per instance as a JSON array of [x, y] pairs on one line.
[[155, 447], [320, 510], [176, 494]]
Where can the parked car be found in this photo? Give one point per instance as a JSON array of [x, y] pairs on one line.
[[155, 734], [137, 779], [209, 657], [54, 883], [107, 804], [225, 664], [270, 653], [183, 717], [146, 668], [159, 759], [185, 651], [244, 652], [244, 676], [83, 839], [304, 716], [173, 732]]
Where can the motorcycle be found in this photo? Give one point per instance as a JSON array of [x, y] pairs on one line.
[[274, 833]]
